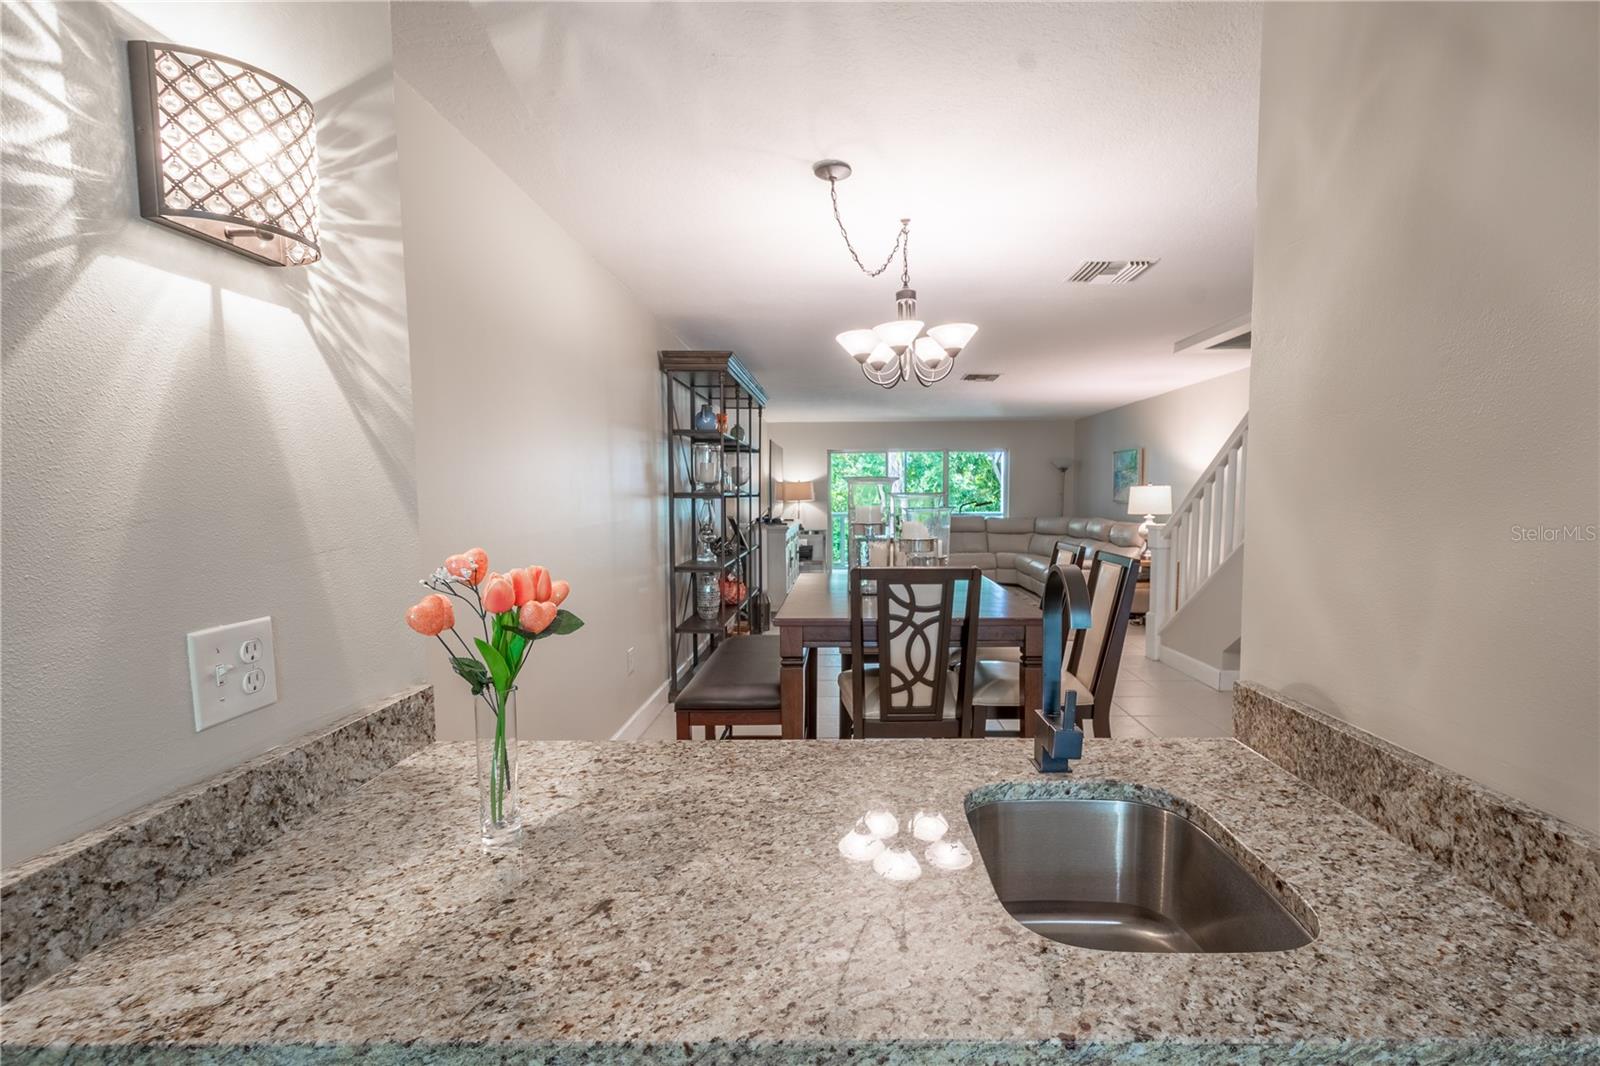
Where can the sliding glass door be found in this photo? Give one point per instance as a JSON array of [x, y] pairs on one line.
[[970, 482]]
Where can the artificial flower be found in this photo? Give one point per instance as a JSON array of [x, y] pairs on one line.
[[498, 595], [431, 616], [541, 583], [535, 617]]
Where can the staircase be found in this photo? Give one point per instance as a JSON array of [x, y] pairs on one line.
[[1196, 572]]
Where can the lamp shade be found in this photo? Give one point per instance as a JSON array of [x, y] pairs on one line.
[[1150, 499], [858, 343], [796, 491], [954, 336], [226, 152], [898, 334]]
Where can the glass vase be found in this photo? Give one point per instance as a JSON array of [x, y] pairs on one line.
[[499, 814]]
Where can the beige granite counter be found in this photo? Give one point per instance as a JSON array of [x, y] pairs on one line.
[[686, 902]]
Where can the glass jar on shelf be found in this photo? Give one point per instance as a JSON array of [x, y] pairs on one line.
[[706, 467], [707, 595]]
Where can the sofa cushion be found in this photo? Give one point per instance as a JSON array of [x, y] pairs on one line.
[[1078, 527], [968, 533], [1098, 528], [1043, 543], [1054, 526], [1125, 534], [1010, 534], [1005, 560], [1033, 566]]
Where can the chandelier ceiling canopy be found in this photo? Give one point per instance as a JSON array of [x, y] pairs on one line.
[[897, 350]]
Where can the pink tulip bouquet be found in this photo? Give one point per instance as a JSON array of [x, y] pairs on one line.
[[514, 610]]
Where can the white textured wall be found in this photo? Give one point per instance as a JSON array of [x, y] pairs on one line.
[[1180, 432], [539, 425], [191, 438], [1425, 383], [1035, 483]]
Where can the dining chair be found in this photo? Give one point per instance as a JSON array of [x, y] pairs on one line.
[[908, 615], [1075, 552], [1092, 663], [1078, 553]]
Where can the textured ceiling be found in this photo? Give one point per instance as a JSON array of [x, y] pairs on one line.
[[676, 142]]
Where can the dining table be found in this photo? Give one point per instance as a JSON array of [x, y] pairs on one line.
[[816, 614]]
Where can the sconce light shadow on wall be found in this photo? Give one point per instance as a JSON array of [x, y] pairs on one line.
[[226, 152]]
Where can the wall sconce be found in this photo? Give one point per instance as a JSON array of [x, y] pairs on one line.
[[226, 152]]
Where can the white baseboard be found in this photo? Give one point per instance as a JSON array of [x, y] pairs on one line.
[[640, 719], [1205, 673]]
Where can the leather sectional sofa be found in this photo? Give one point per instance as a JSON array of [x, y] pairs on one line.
[[1016, 551]]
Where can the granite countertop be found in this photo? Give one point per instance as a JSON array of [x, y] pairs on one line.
[[687, 902]]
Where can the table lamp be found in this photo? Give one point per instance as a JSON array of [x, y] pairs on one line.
[[796, 492], [1149, 500]]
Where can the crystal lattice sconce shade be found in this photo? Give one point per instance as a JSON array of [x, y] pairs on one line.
[[226, 152]]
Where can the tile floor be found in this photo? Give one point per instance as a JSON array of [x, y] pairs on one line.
[[1151, 700]]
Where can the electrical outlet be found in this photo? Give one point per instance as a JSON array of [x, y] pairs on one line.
[[630, 660], [231, 671]]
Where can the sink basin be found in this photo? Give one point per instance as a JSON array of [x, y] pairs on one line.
[[1118, 875]]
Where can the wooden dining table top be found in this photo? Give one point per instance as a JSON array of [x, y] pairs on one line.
[[819, 598]]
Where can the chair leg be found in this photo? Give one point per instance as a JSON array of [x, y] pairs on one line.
[[811, 693], [711, 732], [980, 721], [685, 730], [1102, 720]]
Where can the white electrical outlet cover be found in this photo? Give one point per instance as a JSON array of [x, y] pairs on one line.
[[241, 689]]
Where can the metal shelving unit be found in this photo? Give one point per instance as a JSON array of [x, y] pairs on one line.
[[690, 380]]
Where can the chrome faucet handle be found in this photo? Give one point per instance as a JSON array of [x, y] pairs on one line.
[[1066, 605]]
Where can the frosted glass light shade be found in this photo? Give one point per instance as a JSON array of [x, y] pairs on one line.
[[930, 354], [898, 334], [881, 357], [953, 336], [226, 152], [857, 343], [1150, 499]]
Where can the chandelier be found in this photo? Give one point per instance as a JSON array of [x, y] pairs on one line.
[[897, 350]]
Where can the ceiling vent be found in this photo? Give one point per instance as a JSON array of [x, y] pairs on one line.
[[1232, 335], [1110, 271], [980, 377]]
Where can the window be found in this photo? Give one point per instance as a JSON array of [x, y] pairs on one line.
[[971, 483], [978, 482]]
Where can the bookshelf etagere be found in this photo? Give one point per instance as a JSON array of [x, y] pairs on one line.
[[725, 500]]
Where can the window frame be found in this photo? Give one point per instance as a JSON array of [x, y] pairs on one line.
[[944, 478]]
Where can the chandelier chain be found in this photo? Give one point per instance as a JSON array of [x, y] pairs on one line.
[[902, 242]]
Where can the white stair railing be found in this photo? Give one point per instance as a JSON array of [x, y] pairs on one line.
[[1206, 528]]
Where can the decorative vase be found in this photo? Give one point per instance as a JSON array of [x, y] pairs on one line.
[[705, 419], [499, 814]]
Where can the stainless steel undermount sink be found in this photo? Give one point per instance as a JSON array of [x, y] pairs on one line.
[[1118, 875]]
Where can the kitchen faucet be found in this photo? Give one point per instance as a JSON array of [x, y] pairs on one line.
[[1057, 739]]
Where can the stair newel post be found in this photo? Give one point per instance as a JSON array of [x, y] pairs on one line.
[[1161, 590]]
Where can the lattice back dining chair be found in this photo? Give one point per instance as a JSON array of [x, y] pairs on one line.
[[908, 616], [1091, 667]]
